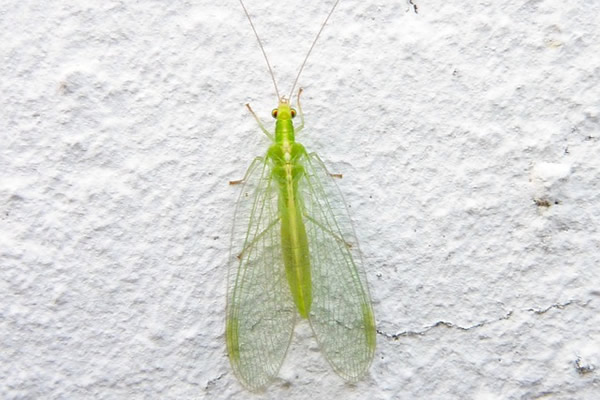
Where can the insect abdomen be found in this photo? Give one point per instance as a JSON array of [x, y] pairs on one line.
[[294, 242]]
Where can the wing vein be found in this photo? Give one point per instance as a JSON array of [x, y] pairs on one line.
[[260, 311], [341, 314]]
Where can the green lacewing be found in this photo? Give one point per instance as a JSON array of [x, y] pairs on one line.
[[294, 254]]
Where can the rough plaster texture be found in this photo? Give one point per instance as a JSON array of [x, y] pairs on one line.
[[468, 135]]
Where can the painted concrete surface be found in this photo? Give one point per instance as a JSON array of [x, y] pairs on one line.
[[468, 136]]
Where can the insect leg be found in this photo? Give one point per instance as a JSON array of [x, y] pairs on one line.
[[260, 124], [299, 128], [255, 162]]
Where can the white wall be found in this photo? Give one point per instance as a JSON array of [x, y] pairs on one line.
[[123, 121]]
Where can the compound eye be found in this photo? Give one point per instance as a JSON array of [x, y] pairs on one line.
[[274, 113], [293, 112]]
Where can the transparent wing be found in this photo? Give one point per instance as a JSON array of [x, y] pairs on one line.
[[341, 315], [260, 309]]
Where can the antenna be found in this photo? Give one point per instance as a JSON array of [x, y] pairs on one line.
[[263, 49], [305, 58], [312, 46]]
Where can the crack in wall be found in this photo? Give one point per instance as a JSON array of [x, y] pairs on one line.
[[559, 306], [414, 6], [451, 325], [213, 381]]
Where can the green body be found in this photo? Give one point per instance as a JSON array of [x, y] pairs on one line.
[[287, 170]]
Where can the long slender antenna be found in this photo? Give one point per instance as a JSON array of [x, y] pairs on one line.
[[311, 47], [263, 49]]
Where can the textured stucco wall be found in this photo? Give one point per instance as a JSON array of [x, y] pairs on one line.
[[469, 139]]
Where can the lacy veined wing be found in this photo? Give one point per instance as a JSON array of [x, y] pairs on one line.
[[297, 254], [341, 315], [260, 313]]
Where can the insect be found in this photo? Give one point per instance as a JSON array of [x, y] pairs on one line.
[[294, 253]]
